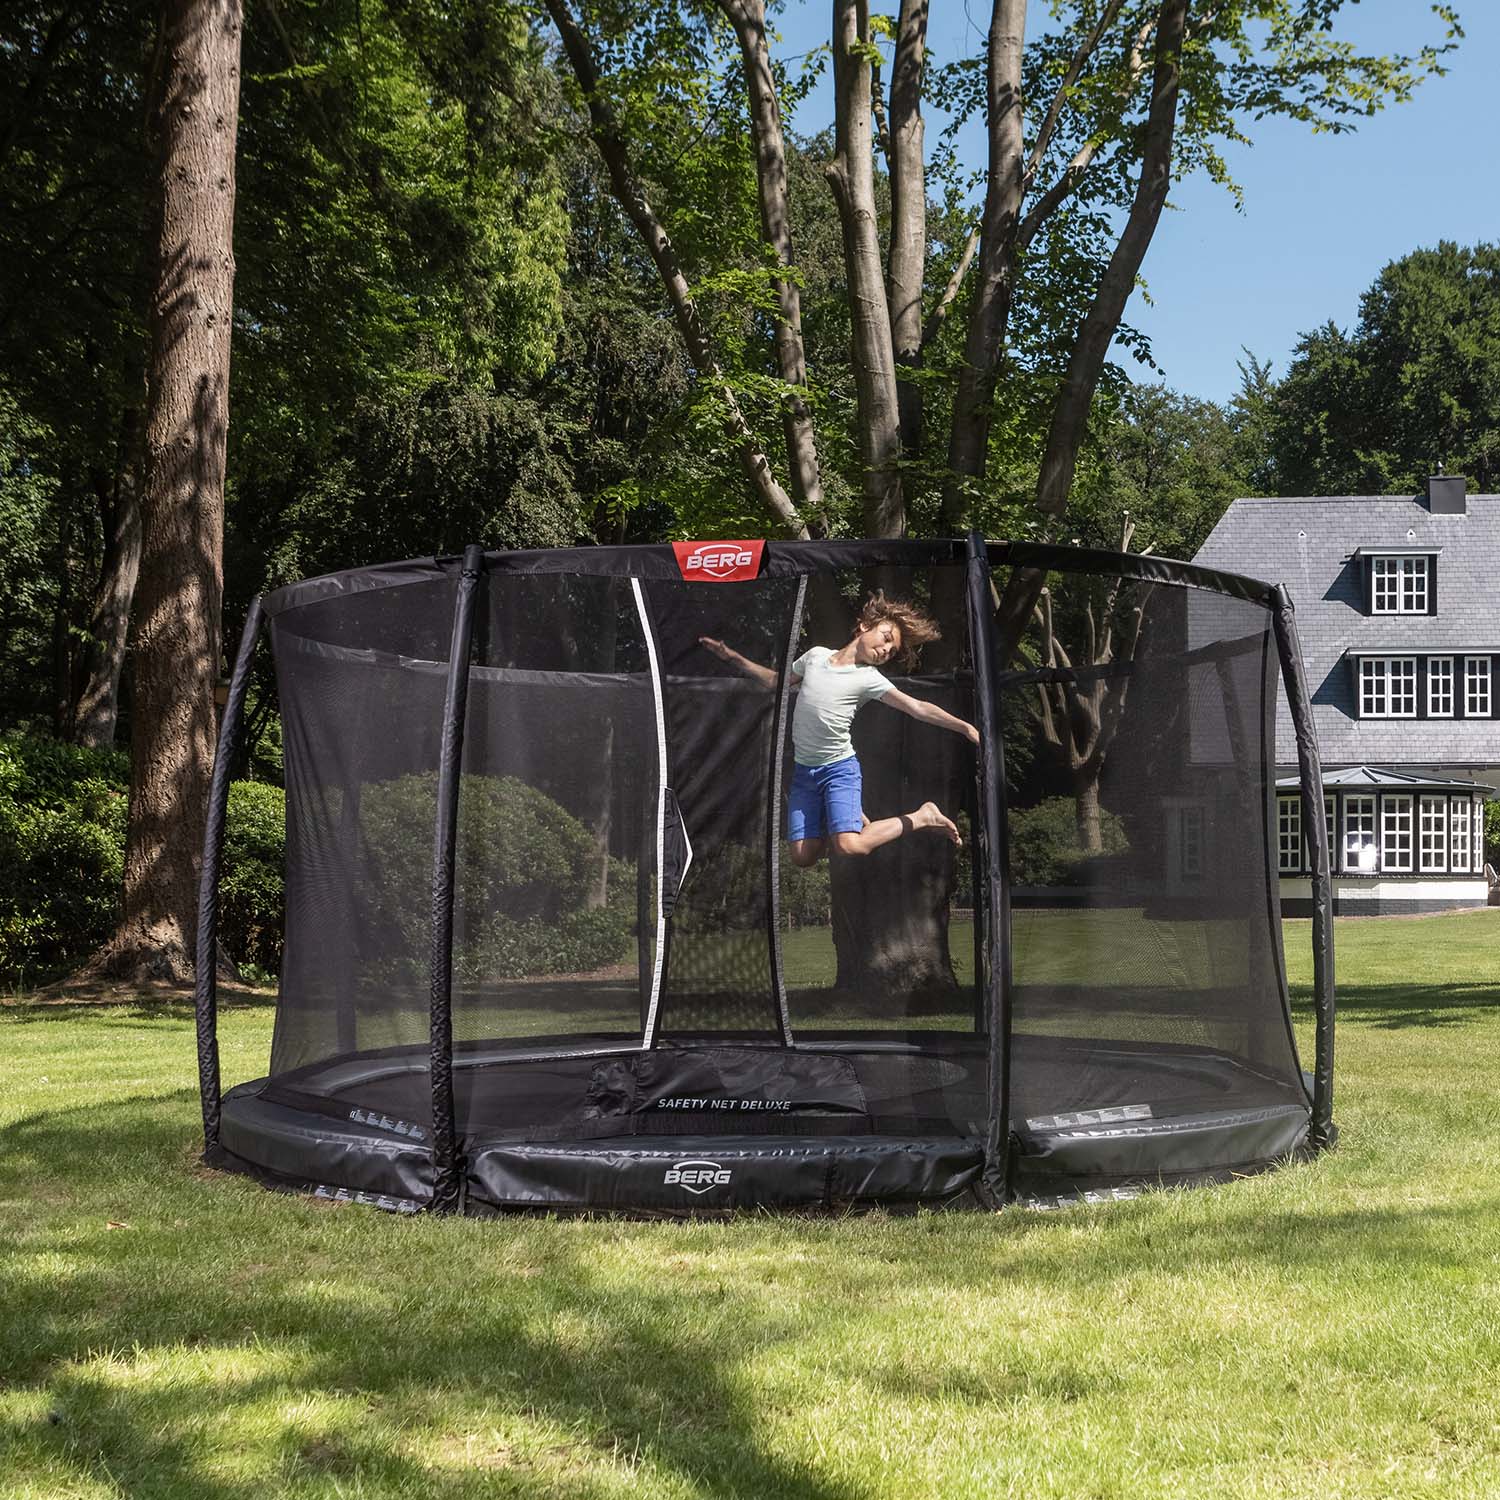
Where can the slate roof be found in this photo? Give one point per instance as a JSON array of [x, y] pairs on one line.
[[1379, 776], [1309, 545]]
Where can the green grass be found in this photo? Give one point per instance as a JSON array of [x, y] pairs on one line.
[[1330, 1330]]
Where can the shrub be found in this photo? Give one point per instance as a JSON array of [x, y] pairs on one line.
[[524, 869], [252, 881], [62, 843], [1044, 844]]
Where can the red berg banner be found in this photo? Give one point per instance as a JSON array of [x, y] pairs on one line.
[[718, 562]]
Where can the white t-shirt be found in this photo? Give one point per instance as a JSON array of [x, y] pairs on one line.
[[827, 704]]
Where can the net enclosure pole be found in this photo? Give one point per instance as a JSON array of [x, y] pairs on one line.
[[205, 968], [989, 863], [1310, 773], [446, 1167]]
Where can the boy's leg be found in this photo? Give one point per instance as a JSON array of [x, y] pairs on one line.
[[805, 819], [886, 830], [804, 853]]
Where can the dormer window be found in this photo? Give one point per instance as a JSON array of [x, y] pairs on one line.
[[1398, 580], [1400, 585]]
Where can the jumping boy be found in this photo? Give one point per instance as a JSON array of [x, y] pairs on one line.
[[824, 801]]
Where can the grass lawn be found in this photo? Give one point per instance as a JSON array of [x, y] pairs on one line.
[[1331, 1330]]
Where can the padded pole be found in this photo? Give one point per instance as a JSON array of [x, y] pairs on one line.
[[1322, 1133], [447, 1167], [990, 873], [780, 726], [205, 971]]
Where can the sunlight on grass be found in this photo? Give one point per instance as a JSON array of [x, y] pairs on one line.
[[1329, 1330]]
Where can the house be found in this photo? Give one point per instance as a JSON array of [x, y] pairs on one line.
[[1398, 611]]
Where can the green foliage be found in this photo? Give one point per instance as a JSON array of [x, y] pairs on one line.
[[252, 887], [62, 839], [62, 843], [526, 873], [1415, 385], [1045, 847]]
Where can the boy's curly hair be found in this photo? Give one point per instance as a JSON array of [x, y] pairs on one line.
[[917, 627]]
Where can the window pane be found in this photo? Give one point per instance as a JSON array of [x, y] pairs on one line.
[[1477, 687], [1288, 835], [1395, 841], [1461, 834], [1359, 834], [1440, 686], [1434, 834]]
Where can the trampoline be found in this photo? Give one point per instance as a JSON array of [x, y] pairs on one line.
[[546, 948]]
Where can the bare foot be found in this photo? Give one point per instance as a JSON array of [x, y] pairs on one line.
[[930, 815]]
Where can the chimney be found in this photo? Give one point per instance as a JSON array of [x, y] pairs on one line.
[[1447, 495]]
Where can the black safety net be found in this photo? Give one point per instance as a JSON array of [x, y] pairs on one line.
[[1145, 937]]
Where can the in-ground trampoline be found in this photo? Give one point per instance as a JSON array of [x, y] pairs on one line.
[[545, 948]]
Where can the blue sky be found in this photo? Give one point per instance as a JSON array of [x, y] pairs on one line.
[[1322, 214]]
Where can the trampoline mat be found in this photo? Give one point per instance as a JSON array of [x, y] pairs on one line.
[[590, 1087]]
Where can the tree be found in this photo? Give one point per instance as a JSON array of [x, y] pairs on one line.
[[73, 174], [195, 111], [1133, 95], [1414, 387]]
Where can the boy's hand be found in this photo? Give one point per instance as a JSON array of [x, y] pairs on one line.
[[718, 648], [972, 733]]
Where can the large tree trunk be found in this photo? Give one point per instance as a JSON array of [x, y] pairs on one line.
[[969, 442], [178, 600], [851, 175], [908, 258]]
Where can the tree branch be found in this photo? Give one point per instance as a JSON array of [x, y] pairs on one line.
[[1103, 318], [748, 17], [631, 197], [1075, 67], [968, 443], [1073, 174]]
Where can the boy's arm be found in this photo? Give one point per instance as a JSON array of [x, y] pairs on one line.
[[929, 713], [763, 675]]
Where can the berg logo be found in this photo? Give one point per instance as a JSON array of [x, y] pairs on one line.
[[717, 562], [697, 1176]]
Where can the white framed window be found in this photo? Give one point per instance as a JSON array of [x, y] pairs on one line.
[[1479, 835], [1388, 687], [1360, 849], [1396, 833], [1289, 835], [1432, 834], [1461, 834], [1330, 822], [1398, 585], [1477, 687], [1440, 687], [1190, 843]]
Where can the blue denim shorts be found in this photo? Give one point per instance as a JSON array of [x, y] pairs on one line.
[[825, 799]]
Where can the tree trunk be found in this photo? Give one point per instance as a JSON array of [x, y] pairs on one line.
[[176, 656], [968, 445], [851, 175], [1086, 808], [749, 20], [62, 632], [908, 258], [1086, 363], [97, 708]]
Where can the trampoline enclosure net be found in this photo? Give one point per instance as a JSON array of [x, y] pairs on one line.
[[621, 871]]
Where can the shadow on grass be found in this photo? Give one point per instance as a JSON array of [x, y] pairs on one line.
[[1395, 1006], [395, 1325], [389, 1322]]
